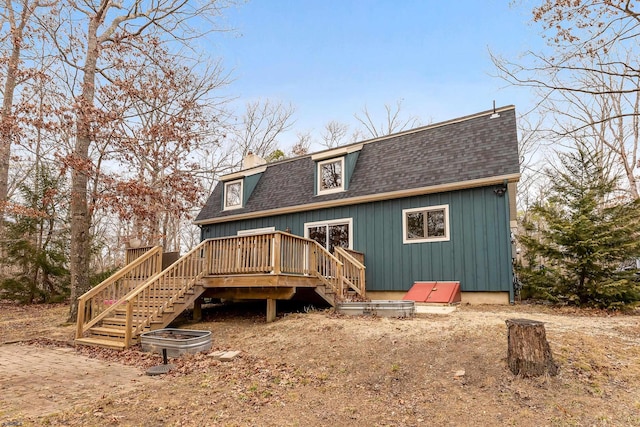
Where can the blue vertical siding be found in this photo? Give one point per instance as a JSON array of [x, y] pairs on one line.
[[477, 254]]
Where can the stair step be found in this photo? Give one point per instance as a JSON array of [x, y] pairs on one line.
[[101, 342], [110, 332], [143, 312], [114, 321]]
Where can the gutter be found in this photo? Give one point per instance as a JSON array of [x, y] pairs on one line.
[[482, 182]]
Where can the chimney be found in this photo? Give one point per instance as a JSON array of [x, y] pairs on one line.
[[252, 160]]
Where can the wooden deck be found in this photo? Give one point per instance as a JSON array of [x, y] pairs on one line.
[[269, 266]]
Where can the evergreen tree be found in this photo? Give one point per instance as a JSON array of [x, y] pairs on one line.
[[577, 240], [36, 252]]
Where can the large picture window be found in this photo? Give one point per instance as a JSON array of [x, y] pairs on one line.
[[428, 224], [331, 176], [233, 195]]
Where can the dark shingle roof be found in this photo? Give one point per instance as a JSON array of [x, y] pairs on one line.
[[465, 149]]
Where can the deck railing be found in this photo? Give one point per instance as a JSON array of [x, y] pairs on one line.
[[241, 255], [279, 253], [357, 255], [97, 303], [354, 270], [294, 254], [326, 267], [160, 292], [131, 254]]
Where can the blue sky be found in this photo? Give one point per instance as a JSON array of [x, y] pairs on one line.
[[331, 58]]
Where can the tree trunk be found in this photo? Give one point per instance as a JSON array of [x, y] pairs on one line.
[[80, 218], [529, 354]]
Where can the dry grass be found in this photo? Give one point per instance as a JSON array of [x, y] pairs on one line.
[[322, 369]]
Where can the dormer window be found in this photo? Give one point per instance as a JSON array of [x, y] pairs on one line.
[[331, 176], [233, 195]]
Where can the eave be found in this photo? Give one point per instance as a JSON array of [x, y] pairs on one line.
[[441, 188]]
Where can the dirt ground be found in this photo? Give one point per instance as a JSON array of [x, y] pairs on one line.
[[319, 369]]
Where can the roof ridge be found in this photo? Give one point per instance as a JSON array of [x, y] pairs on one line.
[[397, 134]]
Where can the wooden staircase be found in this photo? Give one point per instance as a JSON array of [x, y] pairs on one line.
[[118, 321], [110, 332]]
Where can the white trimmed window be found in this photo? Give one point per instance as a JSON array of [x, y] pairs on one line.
[[331, 176], [233, 194], [331, 233], [428, 224]]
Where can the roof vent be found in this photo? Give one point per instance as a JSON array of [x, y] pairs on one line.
[[252, 160], [495, 115]]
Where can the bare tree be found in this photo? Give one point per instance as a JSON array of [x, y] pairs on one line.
[[392, 122], [109, 27], [301, 147], [587, 79], [262, 123], [169, 106], [604, 117], [16, 17], [583, 37], [334, 133]]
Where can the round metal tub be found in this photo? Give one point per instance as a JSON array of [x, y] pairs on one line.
[[176, 341]]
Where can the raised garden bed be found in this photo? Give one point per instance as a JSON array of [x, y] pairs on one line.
[[382, 308]]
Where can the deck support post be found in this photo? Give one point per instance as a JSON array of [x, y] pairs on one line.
[[271, 310], [197, 310]]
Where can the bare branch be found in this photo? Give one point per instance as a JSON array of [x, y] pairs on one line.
[[392, 122]]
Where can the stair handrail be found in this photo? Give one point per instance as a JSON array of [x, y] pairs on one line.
[[91, 311], [329, 270], [178, 278], [354, 281]]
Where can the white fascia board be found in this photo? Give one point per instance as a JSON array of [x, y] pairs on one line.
[[336, 152], [243, 173]]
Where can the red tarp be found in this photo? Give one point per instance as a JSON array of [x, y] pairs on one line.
[[435, 292]]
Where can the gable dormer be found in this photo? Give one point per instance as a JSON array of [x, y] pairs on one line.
[[334, 168], [237, 187]]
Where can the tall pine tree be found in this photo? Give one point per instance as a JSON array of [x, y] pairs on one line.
[[581, 236]]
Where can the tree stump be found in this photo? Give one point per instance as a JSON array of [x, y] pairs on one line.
[[529, 354]]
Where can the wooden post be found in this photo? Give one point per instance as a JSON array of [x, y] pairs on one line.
[[276, 254], [197, 309], [128, 325], [80, 320], [529, 353], [271, 310]]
